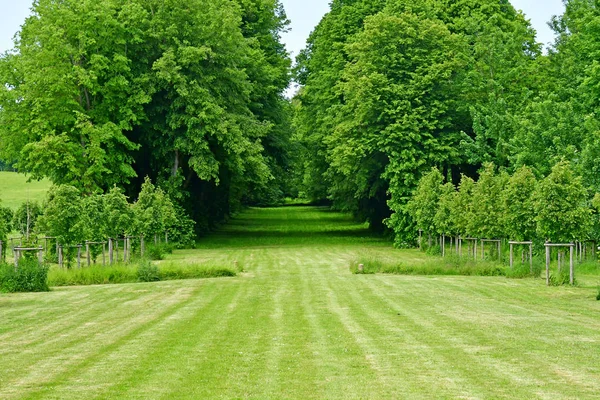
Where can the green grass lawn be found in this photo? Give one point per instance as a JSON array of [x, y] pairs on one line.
[[15, 190], [298, 324]]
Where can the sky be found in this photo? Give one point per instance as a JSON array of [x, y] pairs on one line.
[[303, 14]]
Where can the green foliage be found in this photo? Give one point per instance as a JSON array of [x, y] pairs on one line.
[[462, 213], [155, 252], [423, 205], [392, 88], [147, 272], [26, 216], [518, 206], [29, 276], [486, 213], [153, 211], [560, 201], [62, 216], [6, 216], [100, 93], [444, 219], [119, 215]]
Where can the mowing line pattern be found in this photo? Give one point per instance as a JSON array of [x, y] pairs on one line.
[[297, 324]]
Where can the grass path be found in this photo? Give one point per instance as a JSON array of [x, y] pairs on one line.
[[297, 324]]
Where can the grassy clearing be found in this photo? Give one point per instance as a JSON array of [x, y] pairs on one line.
[[14, 189], [298, 324]]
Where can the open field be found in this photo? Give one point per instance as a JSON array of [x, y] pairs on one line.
[[14, 189], [297, 324]]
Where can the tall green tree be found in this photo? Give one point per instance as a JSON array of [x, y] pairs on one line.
[[105, 92]]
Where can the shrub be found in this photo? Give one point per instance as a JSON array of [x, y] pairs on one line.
[[560, 278], [147, 272], [30, 276], [598, 295], [155, 252]]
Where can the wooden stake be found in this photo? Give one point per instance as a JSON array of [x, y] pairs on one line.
[[531, 259], [547, 265], [443, 245], [88, 256], [571, 267], [60, 256], [79, 256], [511, 255]]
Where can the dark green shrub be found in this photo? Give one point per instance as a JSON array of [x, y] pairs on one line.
[[30, 276], [148, 272], [598, 295]]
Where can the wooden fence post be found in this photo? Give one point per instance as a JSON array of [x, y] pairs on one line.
[[443, 245], [87, 251], [547, 265], [511, 255], [60, 256], [1, 253], [531, 258], [571, 267]]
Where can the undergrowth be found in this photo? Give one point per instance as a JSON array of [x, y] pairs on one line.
[[142, 271], [449, 265], [29, 276]]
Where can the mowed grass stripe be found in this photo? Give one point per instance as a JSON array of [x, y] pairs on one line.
[[504, 346], [297, 324], [94, 342]]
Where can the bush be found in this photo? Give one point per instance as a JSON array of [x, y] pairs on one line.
[[155, 252], [560, 278], [30, 276], [147, 272], [598, 295]]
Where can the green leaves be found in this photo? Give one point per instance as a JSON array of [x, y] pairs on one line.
[[98, 93], [562, 210]]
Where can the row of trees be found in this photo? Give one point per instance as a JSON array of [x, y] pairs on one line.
[[391, 88], [73, 219], [514, 206], [98, 93]]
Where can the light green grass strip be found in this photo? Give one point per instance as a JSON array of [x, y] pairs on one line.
[[298, 324], [15, 190]]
